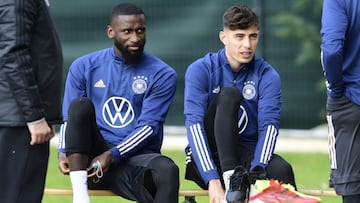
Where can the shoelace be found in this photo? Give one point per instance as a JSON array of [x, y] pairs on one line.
[[239, 181], [239, 178], [99, 172]]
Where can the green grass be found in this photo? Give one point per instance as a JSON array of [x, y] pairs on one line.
[[311, 171]]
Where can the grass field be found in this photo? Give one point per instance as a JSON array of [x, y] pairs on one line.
[[311, 171]]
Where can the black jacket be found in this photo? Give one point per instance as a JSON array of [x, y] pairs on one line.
[[31, 64]]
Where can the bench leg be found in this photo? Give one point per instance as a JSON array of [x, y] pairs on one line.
[[189, 199]]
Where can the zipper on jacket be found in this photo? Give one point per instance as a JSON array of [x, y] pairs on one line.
[[234, 82]]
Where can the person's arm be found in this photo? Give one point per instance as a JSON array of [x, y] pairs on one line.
[[17, 26], [195, 107], [269, 108], [16, 30], [333, 31], [155, 107], [74, 88]]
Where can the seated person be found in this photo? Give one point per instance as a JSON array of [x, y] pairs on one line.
[[115, 104], [232, 109]]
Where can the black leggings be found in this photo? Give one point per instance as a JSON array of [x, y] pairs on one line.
[[82, 134], [143, 178], [221, 119], [163, 177]]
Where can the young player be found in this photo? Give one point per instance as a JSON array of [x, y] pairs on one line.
[[232, 108]]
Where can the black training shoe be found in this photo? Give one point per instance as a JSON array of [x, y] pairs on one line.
[[258, 173], [239, 187]]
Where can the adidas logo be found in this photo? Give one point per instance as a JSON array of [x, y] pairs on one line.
[[100, 84]]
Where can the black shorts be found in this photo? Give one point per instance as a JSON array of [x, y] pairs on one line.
[[344, 140], [127, 179]]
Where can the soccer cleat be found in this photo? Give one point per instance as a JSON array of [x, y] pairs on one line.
[[271, 191], [239, 187]]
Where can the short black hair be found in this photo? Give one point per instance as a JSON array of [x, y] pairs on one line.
[[125, 9], [240, 17]]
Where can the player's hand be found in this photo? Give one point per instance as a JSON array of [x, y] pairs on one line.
[[63, 163], [216, 192], [104, 161], [40, 132]]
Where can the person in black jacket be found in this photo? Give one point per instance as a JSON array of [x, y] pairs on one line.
[[31, 67]]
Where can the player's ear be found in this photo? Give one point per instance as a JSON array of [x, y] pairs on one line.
[[110, 32], [222, 37]]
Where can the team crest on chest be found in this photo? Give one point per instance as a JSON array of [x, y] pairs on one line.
[[139, 84], [249, 90]]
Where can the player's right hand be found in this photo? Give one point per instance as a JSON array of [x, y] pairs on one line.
[[40, 132], [216, 192], [63, 163]]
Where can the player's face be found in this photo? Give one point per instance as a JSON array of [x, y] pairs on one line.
[[240, 45], [128, 33]]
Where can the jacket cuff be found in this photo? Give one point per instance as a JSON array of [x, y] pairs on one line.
[[35, 122], [116, 155], [211, 176]]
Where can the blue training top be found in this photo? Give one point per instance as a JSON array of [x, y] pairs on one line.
[[341, 47], [259, 112], [131, 100]]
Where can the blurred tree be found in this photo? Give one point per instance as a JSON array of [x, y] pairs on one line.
[[301, 22]]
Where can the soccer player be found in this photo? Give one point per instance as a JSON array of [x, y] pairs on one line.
[[341, 64], [31, 68], [115, 104], [232, 107]]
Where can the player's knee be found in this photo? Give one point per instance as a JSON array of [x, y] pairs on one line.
[[169, 168], [166, 170], [229, 96], [81, 108]]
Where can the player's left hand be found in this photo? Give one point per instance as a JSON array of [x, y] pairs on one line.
[[216, 192], [104, 161]]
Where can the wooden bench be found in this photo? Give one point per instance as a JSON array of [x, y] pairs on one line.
[[189, 195]]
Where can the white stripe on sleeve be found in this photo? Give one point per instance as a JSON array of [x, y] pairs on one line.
[[269, 143], [200, 147]]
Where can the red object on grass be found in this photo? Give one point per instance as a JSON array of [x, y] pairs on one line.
[[275, 193]]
